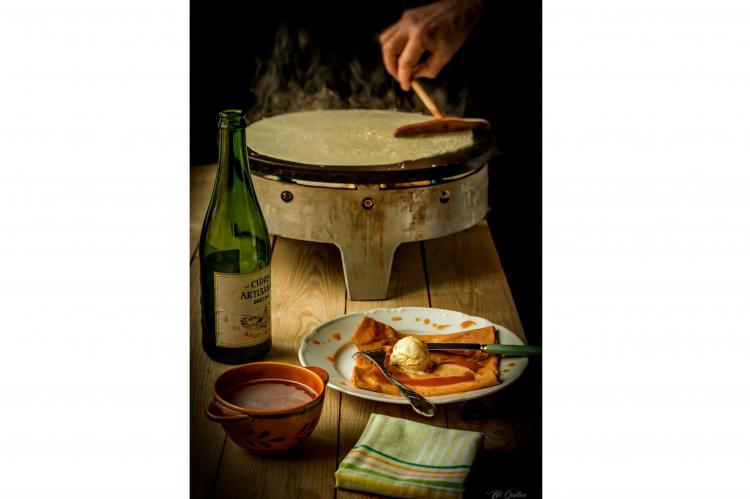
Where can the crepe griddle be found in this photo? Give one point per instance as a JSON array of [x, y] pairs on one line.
[[437, 167]]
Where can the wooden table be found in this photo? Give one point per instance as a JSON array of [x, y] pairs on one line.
[[459, 272]]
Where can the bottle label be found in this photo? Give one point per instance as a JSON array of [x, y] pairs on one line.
[[243, 308]]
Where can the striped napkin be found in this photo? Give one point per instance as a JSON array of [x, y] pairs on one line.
[[400, 458]]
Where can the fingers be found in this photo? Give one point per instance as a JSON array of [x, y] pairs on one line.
[[433, 65], [402, 44], [391, 50], [407, 60], [388, 33]]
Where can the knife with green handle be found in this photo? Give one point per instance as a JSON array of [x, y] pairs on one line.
[[516, 350]]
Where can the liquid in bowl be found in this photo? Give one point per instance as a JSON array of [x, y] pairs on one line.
[[270, 394]]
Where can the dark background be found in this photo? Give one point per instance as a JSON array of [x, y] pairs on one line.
[[496, 74], [499, 69]]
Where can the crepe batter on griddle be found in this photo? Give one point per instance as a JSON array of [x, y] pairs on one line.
[[348, 137]]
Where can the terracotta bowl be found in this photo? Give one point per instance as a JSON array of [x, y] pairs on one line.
[[267, 431]]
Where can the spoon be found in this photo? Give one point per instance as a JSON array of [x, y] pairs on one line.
[[420, 404], [441, 124]]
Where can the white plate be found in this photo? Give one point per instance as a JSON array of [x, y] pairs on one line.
[[329, 346]]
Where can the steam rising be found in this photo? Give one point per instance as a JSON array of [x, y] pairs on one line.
[[294, 78]]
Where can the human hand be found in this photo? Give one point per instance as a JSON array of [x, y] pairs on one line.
[[439, 28]]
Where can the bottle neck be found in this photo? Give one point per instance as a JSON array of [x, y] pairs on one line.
[[232, 146], [232, 154]]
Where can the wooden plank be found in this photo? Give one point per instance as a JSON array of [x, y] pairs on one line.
[[407, 287], [465, 274], [307, 289], [206, 438], [201, 185]]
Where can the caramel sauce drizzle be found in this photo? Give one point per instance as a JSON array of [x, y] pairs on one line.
[[445, 380], [473, 366], [436, 381]]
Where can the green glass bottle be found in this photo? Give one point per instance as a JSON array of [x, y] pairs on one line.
[[235, 256]]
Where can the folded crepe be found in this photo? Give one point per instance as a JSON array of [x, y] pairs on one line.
[[453, 371]]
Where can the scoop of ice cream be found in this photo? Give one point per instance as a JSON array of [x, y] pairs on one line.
[[410, 354]]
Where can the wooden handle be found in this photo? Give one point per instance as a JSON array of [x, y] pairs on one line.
[[426, 99]]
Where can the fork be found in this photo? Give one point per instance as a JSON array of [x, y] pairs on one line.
[[420, 404]]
